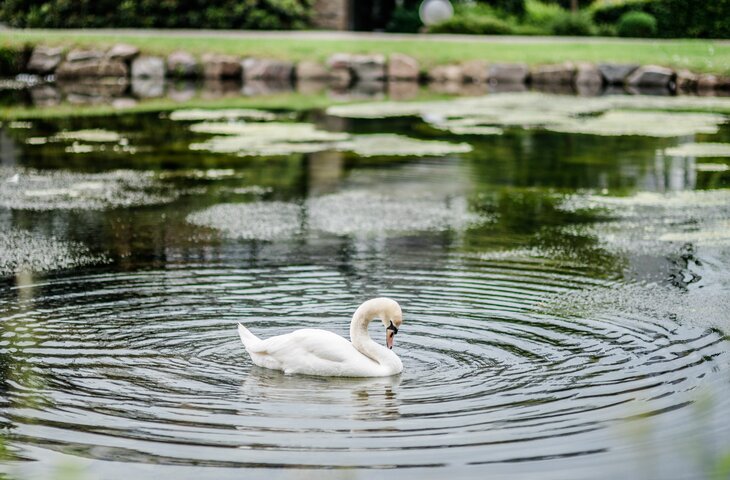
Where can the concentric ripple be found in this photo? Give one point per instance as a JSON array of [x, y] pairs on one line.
[[146, 368]]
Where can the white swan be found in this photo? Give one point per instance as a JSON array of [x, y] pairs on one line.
[[319, 352]]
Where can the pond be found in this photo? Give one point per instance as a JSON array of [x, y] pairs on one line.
[[563, 265]]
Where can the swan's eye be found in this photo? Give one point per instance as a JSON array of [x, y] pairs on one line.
[[393, 328]]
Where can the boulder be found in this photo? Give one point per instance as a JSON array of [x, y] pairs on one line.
[[91, 63], [615, 73], [508, 73], [561, 74], [587, 74], [221, 66], [686, 80], [84, 55], [44, 60], [651, 76], [265, 69], [368, 68], [182, 65], [402, 67], [446, 74], [475, 71], [309, 70], [148, 67], [362, 67], [123, 52], [341, 78]]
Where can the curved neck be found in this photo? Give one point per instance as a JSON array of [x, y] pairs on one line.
[[361, 340]]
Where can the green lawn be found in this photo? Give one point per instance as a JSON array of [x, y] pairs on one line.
[[696, 55]]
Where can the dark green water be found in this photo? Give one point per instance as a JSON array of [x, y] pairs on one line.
[[565, 302]]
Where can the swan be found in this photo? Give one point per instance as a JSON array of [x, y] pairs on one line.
[[312, 351]]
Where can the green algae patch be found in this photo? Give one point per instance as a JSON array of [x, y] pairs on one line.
[[199, 114], [700, 150]]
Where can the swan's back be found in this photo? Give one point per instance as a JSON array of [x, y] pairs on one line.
[[310, 352]]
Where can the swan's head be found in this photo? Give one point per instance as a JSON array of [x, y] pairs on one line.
[[392, 318]]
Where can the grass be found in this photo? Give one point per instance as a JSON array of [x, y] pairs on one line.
[[696, 55]]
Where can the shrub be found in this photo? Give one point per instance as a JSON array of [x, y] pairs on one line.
[[404, 20], [474, 25], [637, 24], [234, 14], [674, 18], [542, 15], [509, 7], [568, 23]]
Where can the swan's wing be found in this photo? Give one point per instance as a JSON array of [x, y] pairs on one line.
[[309, 351]]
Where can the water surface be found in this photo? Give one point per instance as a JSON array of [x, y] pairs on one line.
[[565, 300]]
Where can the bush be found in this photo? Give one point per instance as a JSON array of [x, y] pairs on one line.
[[514, 8], [674, 18], [637, 24], [233, 14], [404, 20], [541, 14], [474, 25], [568, 23]]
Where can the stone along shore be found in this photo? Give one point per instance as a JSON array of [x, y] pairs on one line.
[[124, 63]]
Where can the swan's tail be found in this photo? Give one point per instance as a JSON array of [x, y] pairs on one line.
[[249, 339]]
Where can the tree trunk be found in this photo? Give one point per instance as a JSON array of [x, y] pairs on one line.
[[574, 6]]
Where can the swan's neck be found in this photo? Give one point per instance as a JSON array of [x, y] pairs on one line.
[[361, 340]]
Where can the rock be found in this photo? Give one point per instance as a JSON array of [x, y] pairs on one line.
[[265, 69], [341, 78], [89, 64], [446, 74], [686, 80], [84, 55], [588, 75], [562, 74], [309, 70], [475, 71], [148, 67], [508, 73], [221, 66], [123, 52], [616, 74], [182, 65], [44, 60], [707, 82], [368, 68], [362, 67], [339, 61], [651, 76], [402, 67]]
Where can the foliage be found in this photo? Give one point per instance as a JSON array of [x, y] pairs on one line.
[[569, 23], [567, 4], [230, 14], [637, 24], [404, 20], [541, 14], [675, 18], [474, 25], [13, 59], [508, 7]]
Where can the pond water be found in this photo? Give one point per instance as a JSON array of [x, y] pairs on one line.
[[563, 265]]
